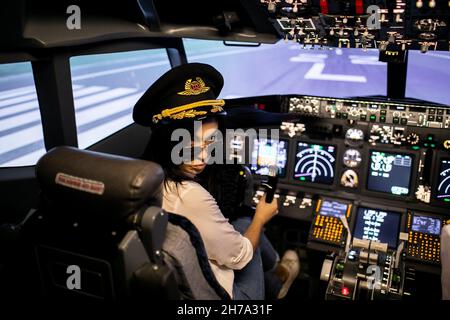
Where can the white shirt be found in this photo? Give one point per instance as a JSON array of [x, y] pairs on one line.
[[226, 248]]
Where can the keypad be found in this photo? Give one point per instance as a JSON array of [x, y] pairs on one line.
[[425, 247], [327, 229]]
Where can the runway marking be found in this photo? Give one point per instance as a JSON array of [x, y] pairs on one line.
[[316, 73], [25, 160], [316, 70], [17, 92], [35, 114], [15, 100], [106, 109], [91, 137], [366, 60], [14, 109], [309, 57], [90, 110]]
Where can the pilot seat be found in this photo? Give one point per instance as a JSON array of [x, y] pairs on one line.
[[100, 233]]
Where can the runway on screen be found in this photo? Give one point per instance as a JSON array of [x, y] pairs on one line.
[[106, 90]]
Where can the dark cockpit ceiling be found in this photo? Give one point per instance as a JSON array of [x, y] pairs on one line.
[[358, 156]]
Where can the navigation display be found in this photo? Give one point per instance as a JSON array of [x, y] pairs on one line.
[[390, 173], [331, 208], [424, 224], [315, 163], [443, 189], [266, 153], [377, 225]]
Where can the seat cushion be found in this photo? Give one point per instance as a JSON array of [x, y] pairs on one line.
[[185, 252]]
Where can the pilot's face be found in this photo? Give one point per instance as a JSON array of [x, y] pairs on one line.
[[203, 137]]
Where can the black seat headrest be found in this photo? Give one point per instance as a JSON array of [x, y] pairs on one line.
[[89, 182]]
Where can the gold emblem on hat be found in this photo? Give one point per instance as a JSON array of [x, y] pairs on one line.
[[188, 110], [194, 87]]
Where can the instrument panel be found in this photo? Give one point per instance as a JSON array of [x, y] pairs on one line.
[[391, 26], [389, 180]]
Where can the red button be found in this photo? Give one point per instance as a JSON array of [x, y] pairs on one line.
[[345, 291]]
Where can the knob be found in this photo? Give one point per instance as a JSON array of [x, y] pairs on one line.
[[446, 144]]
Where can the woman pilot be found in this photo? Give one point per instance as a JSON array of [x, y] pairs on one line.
[[241, 257]]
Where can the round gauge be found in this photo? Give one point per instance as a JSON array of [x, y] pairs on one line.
[[352, 158], [354, 137], [398, 137], [413, 139], [350, 179]]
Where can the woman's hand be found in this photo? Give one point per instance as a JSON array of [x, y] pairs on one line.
[[266, 211]]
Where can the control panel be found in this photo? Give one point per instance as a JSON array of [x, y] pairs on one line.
[[327, 226], [387, 114], [392, 26], [424, 242], [384, 166]]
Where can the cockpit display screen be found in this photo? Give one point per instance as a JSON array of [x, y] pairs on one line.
[[443, 188], [390, 173], [377, 225], [331, 208], [424, 224], [266, 153], [315, 163]]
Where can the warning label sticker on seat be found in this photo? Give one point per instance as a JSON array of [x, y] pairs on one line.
[[81, 184]]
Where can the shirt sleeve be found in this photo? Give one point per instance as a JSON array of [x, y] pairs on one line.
[[223, 244]]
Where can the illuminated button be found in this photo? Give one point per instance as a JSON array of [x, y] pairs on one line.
[[345, 291], [446, 144], [339, 267], [373, 117]]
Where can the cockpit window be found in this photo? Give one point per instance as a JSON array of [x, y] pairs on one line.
[[428, 75], [21, 135], [288, 68], [106, 87]]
